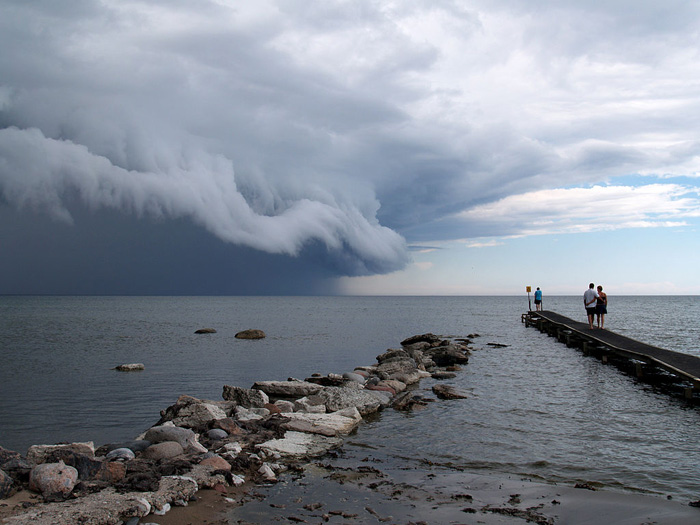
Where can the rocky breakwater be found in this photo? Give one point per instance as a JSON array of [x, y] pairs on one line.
[[251, 436]]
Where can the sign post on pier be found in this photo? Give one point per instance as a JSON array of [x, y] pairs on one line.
[[529, 304]]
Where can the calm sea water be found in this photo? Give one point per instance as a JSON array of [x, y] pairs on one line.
[[538, 409]]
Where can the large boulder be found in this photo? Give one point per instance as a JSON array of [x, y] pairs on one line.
[[245, 397], [53, 480], [184, 436], [293, 388], [337, 398]]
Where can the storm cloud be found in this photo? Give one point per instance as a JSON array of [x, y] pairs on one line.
[[317, 139]]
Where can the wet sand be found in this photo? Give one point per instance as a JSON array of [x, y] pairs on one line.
[[369, 493]]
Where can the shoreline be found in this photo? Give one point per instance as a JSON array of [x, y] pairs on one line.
[[286, 484]]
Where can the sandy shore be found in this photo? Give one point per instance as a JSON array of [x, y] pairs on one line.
[[329, 492]]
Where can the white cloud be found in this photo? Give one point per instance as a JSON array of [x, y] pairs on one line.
[[599, 208]]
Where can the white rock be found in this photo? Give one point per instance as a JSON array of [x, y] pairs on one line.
[[300, 444]]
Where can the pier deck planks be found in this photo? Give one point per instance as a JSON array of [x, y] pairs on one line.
[[686, 365]]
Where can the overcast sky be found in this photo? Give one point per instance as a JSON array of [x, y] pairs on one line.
[[366, 147]]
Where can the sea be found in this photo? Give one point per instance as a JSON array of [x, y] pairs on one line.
[[536, 409]]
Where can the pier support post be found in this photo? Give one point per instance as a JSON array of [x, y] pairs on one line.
[[638, 370]]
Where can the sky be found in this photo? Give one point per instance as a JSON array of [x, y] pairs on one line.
[[369, 147]]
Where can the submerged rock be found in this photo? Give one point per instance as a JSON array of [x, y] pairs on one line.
[[205, 331], [449, 392], [250, 334], [130, 367]]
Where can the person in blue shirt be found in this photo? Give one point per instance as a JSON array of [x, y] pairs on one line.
[[538, 299]]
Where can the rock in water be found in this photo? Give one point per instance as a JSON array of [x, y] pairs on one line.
[[250, 334], [449, 392], [205, 331], [131, 367]]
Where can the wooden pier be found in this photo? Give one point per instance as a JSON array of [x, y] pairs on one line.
[[674, 370]]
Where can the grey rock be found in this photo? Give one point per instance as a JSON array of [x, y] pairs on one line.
[[184, 436], [354, 377], [285, 406], [338, 398], [300, 444], [443, 375], [245, 397], [190, 412], [130, 367], [205, 331], [293, 389], [448, 355], [163, 450], [217, 433], [449, 392], [121, 454]]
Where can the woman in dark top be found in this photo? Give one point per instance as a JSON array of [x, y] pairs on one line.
[[601, 307]]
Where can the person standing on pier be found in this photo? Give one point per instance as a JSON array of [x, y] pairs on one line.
[[601, 307], [590, 297], [538, 299]]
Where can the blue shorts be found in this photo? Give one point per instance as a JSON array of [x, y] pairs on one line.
[[591, 311]]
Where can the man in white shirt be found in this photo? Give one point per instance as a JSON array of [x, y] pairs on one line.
[[589, 300]]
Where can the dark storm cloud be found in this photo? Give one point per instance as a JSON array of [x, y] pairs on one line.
[[324, 133]]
